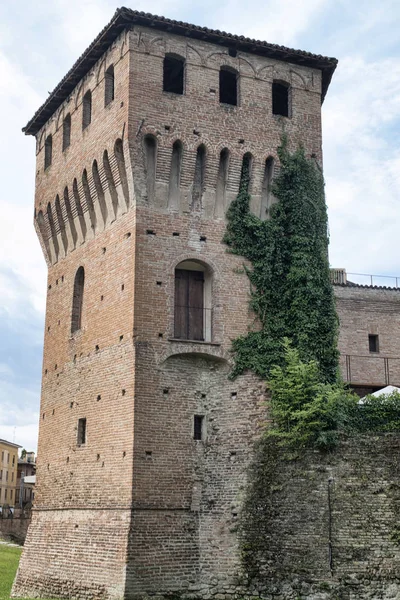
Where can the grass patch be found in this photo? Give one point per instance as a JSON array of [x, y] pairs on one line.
[[9, 559]]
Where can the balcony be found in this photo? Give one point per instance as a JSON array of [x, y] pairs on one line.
[[370, 371]]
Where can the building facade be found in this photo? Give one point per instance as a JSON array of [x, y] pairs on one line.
[[8, 472], [26, 480], [144, 440]]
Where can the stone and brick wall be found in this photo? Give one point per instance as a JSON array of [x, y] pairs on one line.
[[330, 523], [15, 528]]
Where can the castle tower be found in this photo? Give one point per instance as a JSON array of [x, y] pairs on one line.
[[144, 440]]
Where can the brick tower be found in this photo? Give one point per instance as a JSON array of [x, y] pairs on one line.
[[144, 440]]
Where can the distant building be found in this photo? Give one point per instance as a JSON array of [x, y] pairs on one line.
[[26, 480], [8, 472]]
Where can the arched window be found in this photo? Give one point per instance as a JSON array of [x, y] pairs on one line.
[[86, 109], [48, 151], [66, 132], [173, 73], [281, 98], [77, 300], [193, 312], [228, 86], [109, 85]]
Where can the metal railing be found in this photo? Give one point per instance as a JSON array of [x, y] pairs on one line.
[[341, 276], [370, 369]]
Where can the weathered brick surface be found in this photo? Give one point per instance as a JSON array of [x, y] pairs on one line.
[[363, 311], [143, 508], [330, 523]]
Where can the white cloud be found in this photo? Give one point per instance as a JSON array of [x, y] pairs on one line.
[[25, 435], [362, 160], [276, 21]]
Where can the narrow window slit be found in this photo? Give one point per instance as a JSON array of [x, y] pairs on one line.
[[81, 432], [198, 426]]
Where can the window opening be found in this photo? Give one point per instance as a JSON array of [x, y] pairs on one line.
[[189, 305], [66, 132], [77, 301], [192, 309], [280, 98], [81, 432], [48, 151], [87, 109], [228, 79], [109, 85], [198, 427], [173, 75], [373, 341]]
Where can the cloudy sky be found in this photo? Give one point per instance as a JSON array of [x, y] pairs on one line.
[[39, 42]]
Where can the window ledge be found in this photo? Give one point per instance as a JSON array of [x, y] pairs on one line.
[[181, 341], [173, 94]]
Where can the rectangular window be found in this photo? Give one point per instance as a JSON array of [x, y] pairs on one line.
[[228, 86], [198, 427], [5, 494], [81, 432], [189, 305], [173, 74], [373, 341]]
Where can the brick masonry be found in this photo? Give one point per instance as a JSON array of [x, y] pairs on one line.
[[367, 311], [141, 507]]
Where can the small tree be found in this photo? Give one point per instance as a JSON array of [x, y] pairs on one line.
[[306, 412]]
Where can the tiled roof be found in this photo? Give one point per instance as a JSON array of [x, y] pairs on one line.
[[125, 17], [10, 443], [366, 287]]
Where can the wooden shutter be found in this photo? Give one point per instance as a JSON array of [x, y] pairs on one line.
[[196, 305], [181, 304]]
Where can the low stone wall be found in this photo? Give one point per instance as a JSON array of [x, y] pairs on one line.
[[325, 526], [15, 528]]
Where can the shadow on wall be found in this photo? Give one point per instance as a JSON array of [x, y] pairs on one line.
[[170, 468]]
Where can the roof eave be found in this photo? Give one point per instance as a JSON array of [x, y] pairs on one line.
[[124, 17]]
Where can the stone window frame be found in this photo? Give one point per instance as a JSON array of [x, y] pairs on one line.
[[213, 330]]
